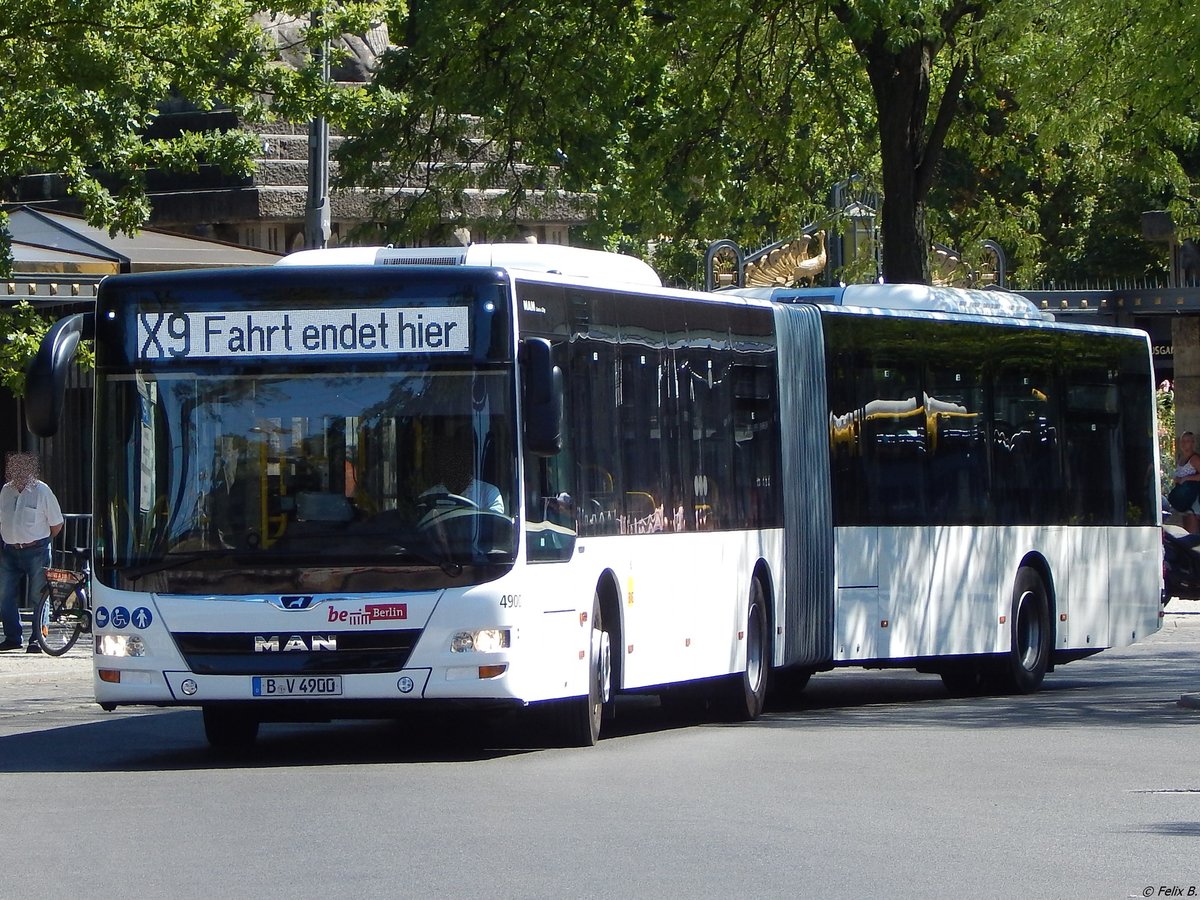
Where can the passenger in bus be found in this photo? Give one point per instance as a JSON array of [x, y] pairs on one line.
[[453, 469], [1187, 471], [231, 503]]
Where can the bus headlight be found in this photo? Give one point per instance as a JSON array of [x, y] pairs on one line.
[[120, 645], [488, 640]]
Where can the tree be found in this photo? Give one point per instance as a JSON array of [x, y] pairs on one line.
[[899, 43], [1073, 131], [84, 83], [704, 118], [84, 80]]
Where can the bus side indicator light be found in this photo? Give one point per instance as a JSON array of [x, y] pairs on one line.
[[629, 649], [581, 654], [112, 676], [1063, 617], [1003, 619], [492, 671], [583, 618], [884, 623]]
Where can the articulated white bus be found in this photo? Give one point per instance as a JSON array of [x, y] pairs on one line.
[[512, 475]]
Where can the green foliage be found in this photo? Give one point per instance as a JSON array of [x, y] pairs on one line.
[[22, 328], [1166, 438], [21, 331], [1083, 123], [84, 80], [734, 118], [656, 116]]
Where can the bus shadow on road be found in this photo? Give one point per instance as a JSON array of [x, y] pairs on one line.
[[174, 741], [1108, 693], [1111, 695]]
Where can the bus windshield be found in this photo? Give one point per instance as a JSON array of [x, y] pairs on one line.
[[240, 477]]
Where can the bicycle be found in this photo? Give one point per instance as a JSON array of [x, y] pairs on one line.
[[63, 610]]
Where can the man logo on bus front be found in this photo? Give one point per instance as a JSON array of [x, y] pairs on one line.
[[296, 642]]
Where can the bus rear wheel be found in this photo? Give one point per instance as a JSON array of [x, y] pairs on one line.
[[748, 692], [1024, 667]]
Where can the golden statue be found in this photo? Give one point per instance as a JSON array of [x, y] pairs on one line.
[[789, 264]]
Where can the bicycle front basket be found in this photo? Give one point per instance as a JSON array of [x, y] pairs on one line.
[[62, 582]]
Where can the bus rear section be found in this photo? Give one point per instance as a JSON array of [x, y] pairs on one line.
[[994, 491]]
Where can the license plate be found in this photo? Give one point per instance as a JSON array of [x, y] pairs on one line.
[[297, 686]]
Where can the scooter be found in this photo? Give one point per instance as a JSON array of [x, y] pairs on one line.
[[1181, 564]]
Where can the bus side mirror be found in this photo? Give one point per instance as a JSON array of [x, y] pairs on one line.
[[542, 398], [46, 377]]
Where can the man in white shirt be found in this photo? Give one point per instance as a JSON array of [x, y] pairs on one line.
[[29, 518]]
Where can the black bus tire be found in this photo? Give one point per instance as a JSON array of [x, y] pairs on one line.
[[581, 717], [1024, 667], [748, 690]]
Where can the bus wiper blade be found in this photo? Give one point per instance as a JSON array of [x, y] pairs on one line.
[[447, 565], [385, 556], [133, 573]]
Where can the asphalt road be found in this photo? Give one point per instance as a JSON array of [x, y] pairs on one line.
[[868, 784]]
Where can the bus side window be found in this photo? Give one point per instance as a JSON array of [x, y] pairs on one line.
[[595, 393], [550, 507]]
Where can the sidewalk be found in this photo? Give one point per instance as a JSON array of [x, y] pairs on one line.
[[1179, 607]]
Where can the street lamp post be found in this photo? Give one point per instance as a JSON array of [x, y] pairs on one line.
[[317, 227]]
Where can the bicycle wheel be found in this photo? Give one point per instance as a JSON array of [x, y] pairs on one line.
[[57, 624]]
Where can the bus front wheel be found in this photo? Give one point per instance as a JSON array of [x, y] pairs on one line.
[[581, 717]]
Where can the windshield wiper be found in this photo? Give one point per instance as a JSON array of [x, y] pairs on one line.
[[133, 573], [447, 565], [388, 555]]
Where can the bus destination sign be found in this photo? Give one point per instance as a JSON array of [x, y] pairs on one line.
[[273, 332]]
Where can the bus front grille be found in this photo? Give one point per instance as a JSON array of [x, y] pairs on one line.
[[300, 653]]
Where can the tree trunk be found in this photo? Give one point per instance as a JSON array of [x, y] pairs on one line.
[[900, 82]]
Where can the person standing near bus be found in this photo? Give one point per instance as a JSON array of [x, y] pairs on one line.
[[1187, 469], [30, 518]]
